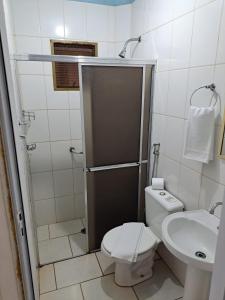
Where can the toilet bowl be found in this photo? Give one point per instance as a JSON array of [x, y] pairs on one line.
[[126, 273], [158, 205]]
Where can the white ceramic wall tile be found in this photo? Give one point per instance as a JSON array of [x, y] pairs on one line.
[[47, 279], [26, 23], [123, 22], [65, 208], [42, 233], [161, 92], [63, 182], [54, 250], [158, 131], [74, 99], [69, 272], [80, 206], [107, 263], [181, 7], [177, 93], [56, 119], [45, 212], [32, 92], [75, 124], [163, 285], [75, 20], [78, 243], [46, 49], [78, 180], [26, 45], [55, 99], [200, 3], [68, 293], [39, 128], [220, 88], [205, 34], [181, 44], [215, 170], [96, 289], [97, 15], [65, 228], [221, 46], [51, 18], [78, 160], [42, 184], [211, 192], [189, 188], [61, 156], [162, 38], [174, 138], [40, 158], [171, 173]]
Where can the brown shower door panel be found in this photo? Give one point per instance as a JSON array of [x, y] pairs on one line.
[[112, 102], [112, 112]]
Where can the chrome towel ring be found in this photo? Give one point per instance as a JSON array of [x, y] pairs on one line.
[[211, 87]]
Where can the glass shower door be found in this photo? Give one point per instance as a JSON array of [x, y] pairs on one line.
[[113, 128]]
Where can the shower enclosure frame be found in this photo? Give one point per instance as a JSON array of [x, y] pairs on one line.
[[80, 60]]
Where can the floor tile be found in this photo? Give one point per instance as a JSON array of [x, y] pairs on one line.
[[65, 228], [78, 244], [77, 270], [106, 263], [162, 286], [70, 293], [54, 250], [104, 288], [47, 279], [42, 233]]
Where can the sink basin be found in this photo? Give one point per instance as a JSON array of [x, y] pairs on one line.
[[192, 237]]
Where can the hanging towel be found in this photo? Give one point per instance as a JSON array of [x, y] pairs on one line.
[[199, 140], [127, 242]]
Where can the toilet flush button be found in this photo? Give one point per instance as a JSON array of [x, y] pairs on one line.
[[162, 193], [170, 199]]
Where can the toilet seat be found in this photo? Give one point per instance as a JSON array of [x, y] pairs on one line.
[[148, 240]]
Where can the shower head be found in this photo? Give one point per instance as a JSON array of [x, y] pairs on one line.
[[122, 54]]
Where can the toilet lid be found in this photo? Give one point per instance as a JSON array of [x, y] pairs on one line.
[[147, 242]]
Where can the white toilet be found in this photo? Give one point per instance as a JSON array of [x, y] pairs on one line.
[[158, 205]]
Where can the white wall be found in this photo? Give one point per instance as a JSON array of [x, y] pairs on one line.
[[188, 40], [57, 177]]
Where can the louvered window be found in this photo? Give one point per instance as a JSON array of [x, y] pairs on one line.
[[65, 75]]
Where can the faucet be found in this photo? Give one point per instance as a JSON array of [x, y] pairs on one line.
[[213, 208]]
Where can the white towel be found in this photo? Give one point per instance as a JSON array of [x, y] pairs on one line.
[[199, 141], [127, 242]]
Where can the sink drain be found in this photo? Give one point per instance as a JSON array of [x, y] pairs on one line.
[[200, 254]]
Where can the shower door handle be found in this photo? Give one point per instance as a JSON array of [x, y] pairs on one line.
[[73, 150], [112, 167]]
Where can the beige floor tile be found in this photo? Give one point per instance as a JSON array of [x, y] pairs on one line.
[[162, 286], [107, 264], [54, 250], [47, 279], [42, 233], [65, 228], [104, 288], [77, 270], [70, 293], [78, 244]]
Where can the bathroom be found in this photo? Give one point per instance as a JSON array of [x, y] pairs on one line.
[[179, 47]]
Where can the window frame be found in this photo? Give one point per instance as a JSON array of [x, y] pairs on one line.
[[52, 42]]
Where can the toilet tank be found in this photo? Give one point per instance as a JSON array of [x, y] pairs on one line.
[[158, 205]]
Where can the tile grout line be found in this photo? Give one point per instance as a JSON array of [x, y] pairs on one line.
[[55, 277], [82, 292], [99, 264], [135, 292]]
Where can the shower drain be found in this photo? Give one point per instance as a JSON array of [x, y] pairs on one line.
[[200, 254]]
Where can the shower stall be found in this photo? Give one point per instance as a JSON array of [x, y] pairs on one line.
[[113, 153]]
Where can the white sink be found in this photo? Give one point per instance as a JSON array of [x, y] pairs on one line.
[[192, 236]]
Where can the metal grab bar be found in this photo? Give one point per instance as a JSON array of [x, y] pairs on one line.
[[73, 150]]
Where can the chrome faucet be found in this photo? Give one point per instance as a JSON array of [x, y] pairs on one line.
[[213, 208]]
